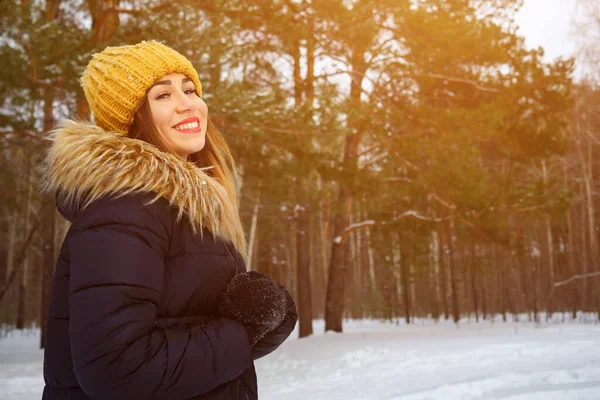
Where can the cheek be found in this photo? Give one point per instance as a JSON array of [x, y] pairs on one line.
[[160, 116], [201, 105]]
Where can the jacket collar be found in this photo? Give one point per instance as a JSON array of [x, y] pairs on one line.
[[85, 163]]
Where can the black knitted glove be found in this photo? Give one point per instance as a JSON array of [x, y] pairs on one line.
[[255, 301]]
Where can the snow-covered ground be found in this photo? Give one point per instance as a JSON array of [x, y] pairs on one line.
[[377, 360]]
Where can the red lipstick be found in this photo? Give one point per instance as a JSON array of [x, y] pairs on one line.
[[189, 125]]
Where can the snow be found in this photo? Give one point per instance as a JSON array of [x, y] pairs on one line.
[[381, 360]]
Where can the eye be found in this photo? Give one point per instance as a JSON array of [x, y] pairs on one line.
[[190, 91], [162, 96]]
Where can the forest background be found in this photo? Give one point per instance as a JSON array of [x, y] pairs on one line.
[[454, 176]]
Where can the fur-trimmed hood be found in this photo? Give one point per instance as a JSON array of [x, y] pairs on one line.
[[85, 163]]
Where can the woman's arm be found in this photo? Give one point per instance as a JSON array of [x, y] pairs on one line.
[[119, 349]]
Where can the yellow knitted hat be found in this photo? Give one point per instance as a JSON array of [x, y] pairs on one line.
[[117, 78]]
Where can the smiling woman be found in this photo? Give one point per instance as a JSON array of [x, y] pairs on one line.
[[150, 296], [178, 115]]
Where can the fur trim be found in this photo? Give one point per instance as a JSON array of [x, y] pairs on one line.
[[86, 163]]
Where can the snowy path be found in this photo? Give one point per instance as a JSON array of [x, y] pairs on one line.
[[373, 360], [437, 361]]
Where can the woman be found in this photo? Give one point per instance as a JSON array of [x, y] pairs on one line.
[[145, 304]]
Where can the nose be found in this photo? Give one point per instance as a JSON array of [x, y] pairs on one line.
[[184, 103]]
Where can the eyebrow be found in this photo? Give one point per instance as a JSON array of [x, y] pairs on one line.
[[168, 82]]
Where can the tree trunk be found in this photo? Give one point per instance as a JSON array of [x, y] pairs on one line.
[[47, 216], [11, 247], [320, 245], [334, 303], [254, 222], [292, 271], [371, 257], [466, 305], [303, 281], [23, 295], [500, 265], [549, 248], [354, 276], [570, 249], [434, 273], [48, 222], [522, 265], [303, 242], [6, 294], [443, 275], [533, 268], [310, 63], [334, 308], [216, 52], [402, 260], [451, 264], [295, 50], [484, 284], [105, 22], [412, 284], [591, 228], [583, 298], [474, 279], [324, 218], [317, 286]]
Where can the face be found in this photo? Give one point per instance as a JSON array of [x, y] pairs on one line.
[[178, 113]]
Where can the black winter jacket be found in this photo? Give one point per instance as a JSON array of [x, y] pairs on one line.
[[134, 312]]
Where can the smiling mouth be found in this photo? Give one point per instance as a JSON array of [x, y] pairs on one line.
[[190, 125]]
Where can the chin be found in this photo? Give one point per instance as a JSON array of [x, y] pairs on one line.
[[197, 148], [200, 147]]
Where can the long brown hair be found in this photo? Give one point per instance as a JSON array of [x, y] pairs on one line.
[[215, 154]]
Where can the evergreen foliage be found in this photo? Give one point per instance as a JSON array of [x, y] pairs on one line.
[[429, 118]]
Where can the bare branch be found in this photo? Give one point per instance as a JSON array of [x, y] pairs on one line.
[[377, 51], [365, 224], [19, 261], [465, 81], [422, 217], [445, 203], [370, 149], [398, 179], [341, 239], [575, 277]]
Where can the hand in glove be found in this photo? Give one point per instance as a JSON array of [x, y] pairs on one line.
[[255, 301]]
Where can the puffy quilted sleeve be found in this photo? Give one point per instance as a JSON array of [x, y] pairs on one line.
[[119, 350]]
